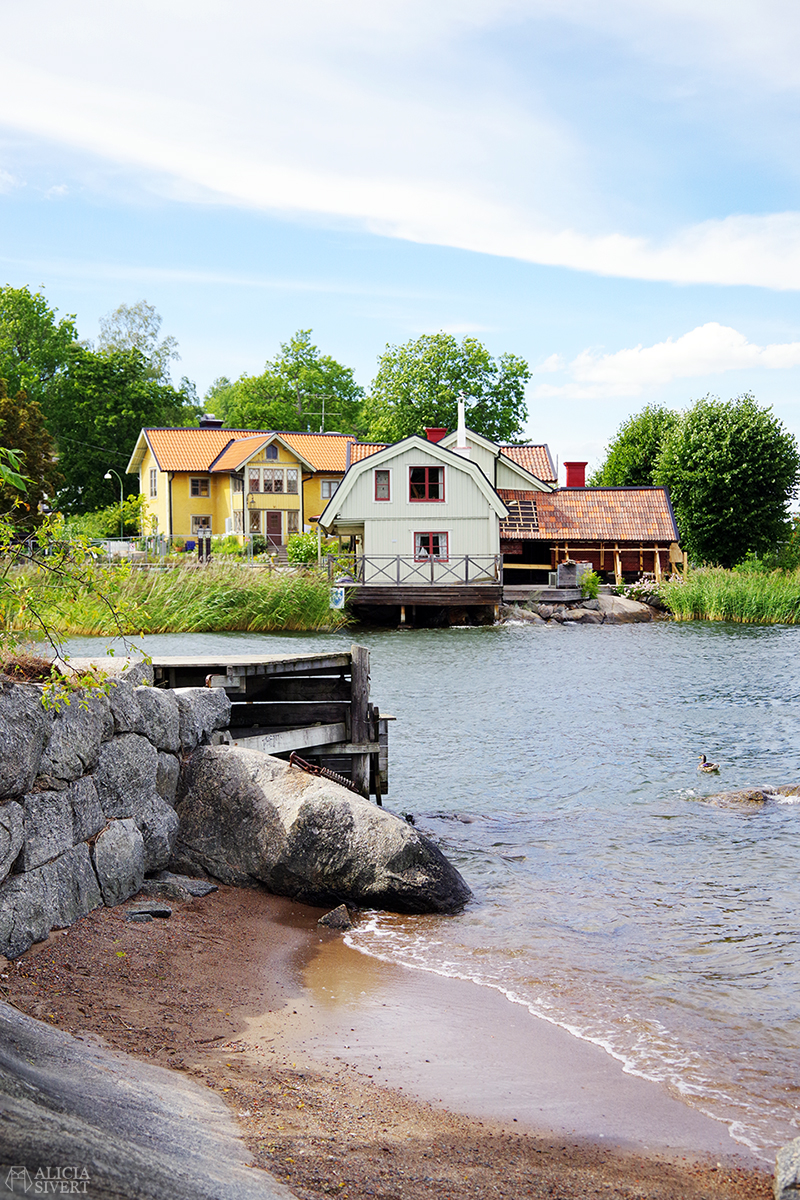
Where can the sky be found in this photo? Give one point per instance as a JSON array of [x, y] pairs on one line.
[[608, 189]]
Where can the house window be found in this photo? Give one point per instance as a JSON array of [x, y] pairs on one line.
[[199, 487], [201, 524], [291, 481], [328, 488], [271, 452], [255, 520], [430, 545], [254, 480], [238, 483], [273, 479], [426, 483], [153, 482], [293, 521], [238, 521], [383, 485]]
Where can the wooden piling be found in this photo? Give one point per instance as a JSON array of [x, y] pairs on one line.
[[360, 725]]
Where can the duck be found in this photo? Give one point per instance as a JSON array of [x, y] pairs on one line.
[[709, 767]]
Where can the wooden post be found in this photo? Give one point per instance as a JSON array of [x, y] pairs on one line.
[[617, 564], [657, 564], [360, 730]]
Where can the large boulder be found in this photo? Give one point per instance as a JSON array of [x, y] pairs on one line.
[[247, 818], [202, 711], [24, 729], [126, 774], [12, 833], [787, 1172], [125, 707], [79, 729], [167, 775], [157, 822], [119, 861], [619, 610], [50, 897], [160, 717], [48, 827]]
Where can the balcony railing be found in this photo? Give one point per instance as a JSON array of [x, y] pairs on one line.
[[390, 570]]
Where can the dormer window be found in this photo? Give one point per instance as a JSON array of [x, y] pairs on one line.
[[271, 451], [426, 483]]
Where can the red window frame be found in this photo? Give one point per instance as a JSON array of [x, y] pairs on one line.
[[427, 483], [382, 471], [436, 533]]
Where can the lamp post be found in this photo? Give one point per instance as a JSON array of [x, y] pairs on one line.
[[108, 475]]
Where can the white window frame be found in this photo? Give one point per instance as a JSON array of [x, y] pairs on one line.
[[332, 486], [437, 558], [153, 482]]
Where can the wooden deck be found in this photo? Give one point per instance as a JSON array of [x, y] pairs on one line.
[[429, 595], [536, 591], [317, 704]]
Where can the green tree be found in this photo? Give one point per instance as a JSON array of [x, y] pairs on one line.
[[731, 468], [633, 452], [22, 430], [418, 385], [300, 389], [136, 327], [103, 400], [34, 344]]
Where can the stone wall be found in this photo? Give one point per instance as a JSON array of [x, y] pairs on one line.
[[87, 795]]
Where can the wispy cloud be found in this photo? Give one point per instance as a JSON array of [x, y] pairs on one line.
[[708, 350]]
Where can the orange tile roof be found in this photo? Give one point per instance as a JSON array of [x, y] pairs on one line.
[[360, 450], [591, 514], [238, 452], [196, 449], [325, 451], [535, 459]]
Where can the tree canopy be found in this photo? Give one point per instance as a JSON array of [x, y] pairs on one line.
[[633, 452], [300, 389], [418, 385], [23, 431], [34, 344], [136, 327], [731, 468]]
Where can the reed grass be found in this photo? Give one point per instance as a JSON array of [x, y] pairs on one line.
[[220, 597], [748, 597]]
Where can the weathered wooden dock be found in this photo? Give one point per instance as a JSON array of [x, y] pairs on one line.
[[316, 704]]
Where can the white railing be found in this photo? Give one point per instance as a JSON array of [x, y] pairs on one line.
[[393, 570]]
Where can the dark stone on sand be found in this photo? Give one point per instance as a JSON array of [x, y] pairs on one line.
[[195, 887], [337, 918], [153, 910], [141, 917]]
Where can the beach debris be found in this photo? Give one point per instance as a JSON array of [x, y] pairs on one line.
[[296, 761], [337, 918], [153, 910], [787, 1171], [195, 887], [410, 818]]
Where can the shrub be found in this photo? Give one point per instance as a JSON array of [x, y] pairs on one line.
[[590, 585]]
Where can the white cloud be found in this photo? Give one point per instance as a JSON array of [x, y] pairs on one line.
[[708, 350]]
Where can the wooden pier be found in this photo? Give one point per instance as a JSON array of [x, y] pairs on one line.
[[316, 704]]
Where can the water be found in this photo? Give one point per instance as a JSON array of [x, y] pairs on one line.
[[558, 769]]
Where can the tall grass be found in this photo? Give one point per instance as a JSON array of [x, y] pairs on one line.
[[752, 598], [189, 599]]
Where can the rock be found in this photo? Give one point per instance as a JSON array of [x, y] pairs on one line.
[[194, 887], [248, 818], [48, 827], [141, 917], [119, 861], [618, 610], [24, 730], [167, 775], [202, 710], [582, 616], [125, 708], [164, 889], [154, 910], [161, 718], [78, 731], [87, 815], [591, 605], [49, 897], [132, 670], [337, 918], [545, 611], [787, 1172], [12, 832], [126, 774], [157, 822]]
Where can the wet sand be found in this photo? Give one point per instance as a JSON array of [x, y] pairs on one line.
[[353, 1077]]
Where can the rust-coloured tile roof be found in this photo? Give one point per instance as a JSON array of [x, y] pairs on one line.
[[535, 459], [360, 450], [591, 514], [197, 449]]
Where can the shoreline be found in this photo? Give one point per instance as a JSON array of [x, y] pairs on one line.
[[232, 988]]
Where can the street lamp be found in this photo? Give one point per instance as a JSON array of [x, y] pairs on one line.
[[108, 475]]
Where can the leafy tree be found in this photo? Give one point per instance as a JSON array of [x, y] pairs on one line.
[[633, 452], [23, 431], [732, 469], [103, 401], [105, 523], [34, 344], [418, 384], [136, 327], [300, 389]]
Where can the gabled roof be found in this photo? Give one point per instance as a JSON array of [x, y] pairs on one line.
[[237, 452], [359, 450], [536, 461], [642, 514], [385, 455], [196, 449]]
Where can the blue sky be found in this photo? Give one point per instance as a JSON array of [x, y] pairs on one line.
[[608, 189]]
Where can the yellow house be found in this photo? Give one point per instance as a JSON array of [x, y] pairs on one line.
[[218, 481]]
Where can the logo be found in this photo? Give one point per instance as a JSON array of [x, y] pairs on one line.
[[48, 1181], [18, 1174]]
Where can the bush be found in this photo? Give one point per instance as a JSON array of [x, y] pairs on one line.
[[105, 522], [590, 585], [301, 549]]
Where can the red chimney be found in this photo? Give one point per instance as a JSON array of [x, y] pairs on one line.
[[576, 474], [435, 434]]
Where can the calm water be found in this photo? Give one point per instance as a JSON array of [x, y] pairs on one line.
[[558, 769]]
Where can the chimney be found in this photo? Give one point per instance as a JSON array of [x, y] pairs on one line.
[[209, 421], [435, 433], [576, 474]]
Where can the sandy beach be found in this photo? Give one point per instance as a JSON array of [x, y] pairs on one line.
[[356, 1078]]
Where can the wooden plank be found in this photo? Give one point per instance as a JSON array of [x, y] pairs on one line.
[[294, 739], [427, 595], [261, 712], [507, 566], [360, 729], [294, 689]]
